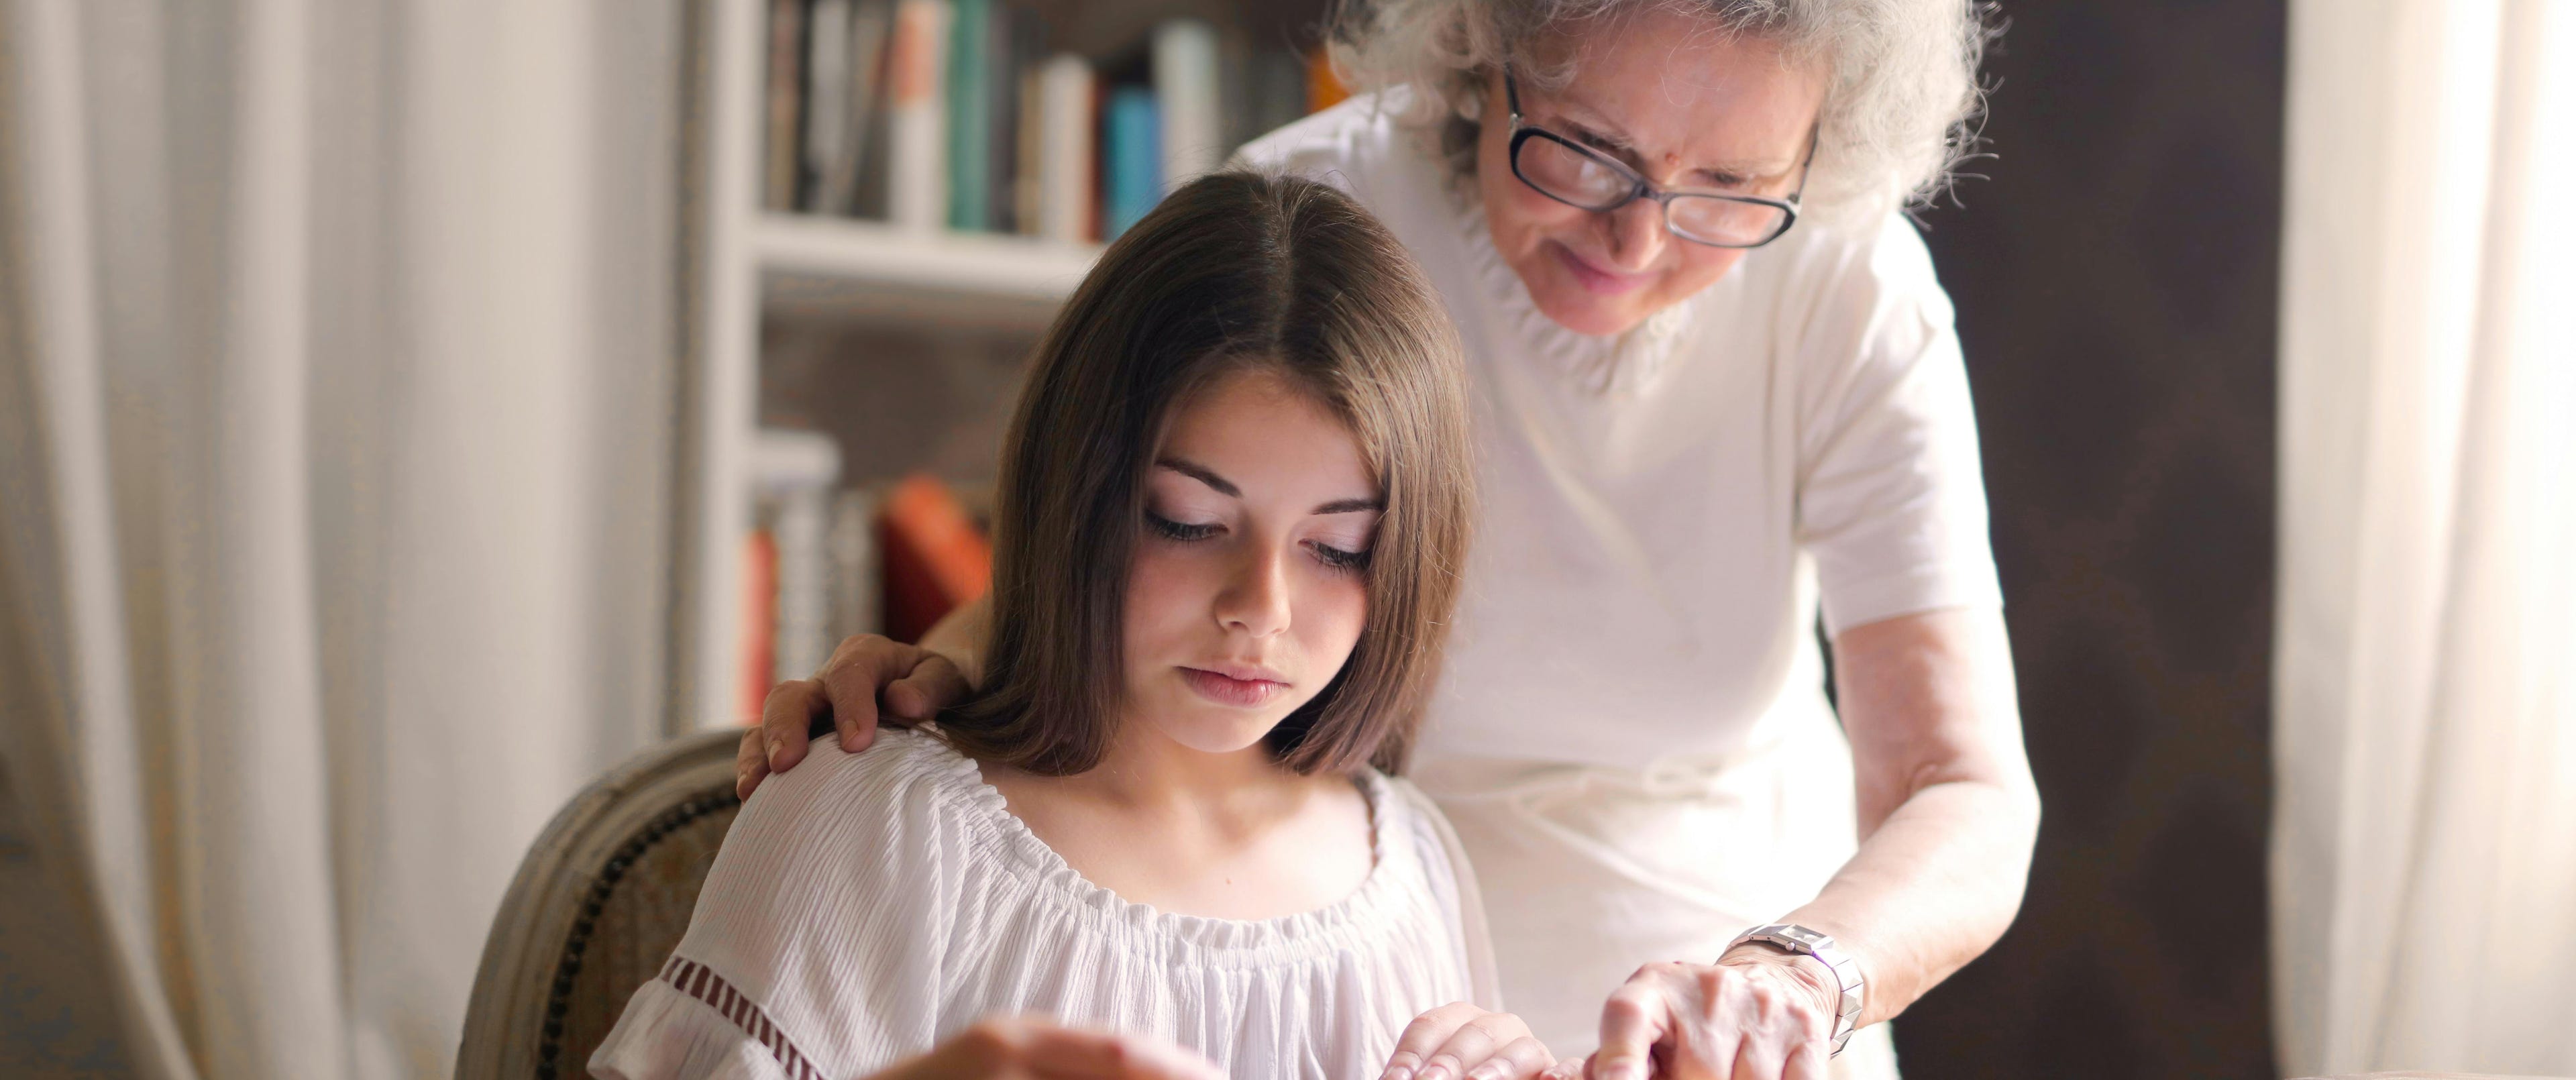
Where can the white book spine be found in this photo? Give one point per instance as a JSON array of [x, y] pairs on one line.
[[827, 99], [794, 472], [1064, 151], [857, 606], [1191, 105], [916, 117]]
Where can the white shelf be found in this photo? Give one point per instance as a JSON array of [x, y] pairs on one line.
[[822, 265]]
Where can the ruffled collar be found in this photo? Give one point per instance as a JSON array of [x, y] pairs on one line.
[[1323, 931]]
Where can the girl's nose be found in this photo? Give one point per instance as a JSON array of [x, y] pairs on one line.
[[1255, 601]]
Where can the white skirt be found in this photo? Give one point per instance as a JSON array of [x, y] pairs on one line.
[[1589, 872]]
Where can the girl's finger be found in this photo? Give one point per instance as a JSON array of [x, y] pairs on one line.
[[1466, 1047], [1424, 1035], [1524, 1058], [1057, 1053], [1807, 1062]]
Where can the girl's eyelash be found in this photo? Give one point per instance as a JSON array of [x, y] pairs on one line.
[[1174, 530], [1337, 559], [1333, 558]]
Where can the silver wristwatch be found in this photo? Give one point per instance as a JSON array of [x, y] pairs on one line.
[[1791, 937]]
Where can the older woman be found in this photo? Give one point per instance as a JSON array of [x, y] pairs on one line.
[[1718, 390]]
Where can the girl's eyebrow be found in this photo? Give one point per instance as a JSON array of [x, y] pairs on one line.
[[1225, 487], [1200, 473]]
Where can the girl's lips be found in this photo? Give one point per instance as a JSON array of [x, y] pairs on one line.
[[1239, 693], [1593, 278]]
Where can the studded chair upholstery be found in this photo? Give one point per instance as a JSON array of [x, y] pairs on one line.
[[597, 906]]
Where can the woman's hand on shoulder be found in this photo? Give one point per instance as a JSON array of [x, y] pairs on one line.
[[1032, 1048], [869, 680], [1459, 1041], [1756, 1014]]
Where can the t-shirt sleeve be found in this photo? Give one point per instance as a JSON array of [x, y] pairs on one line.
[[817, 945], [1891, 493]]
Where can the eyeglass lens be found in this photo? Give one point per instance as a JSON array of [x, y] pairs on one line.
[[1572, 176]]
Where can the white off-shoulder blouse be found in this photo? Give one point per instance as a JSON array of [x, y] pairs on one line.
[[867, 906]]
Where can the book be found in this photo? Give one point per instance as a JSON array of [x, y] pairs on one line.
[[970, 113], [871, 41], [827, 79], [757, 656], [1323, 88], [1278, 91], [936, 560], [857, 573], [1132, 159], [793, 475], [857, 144], [786, 98], [1019, 40], [1066, 175], [916, 127], [1190, 106]]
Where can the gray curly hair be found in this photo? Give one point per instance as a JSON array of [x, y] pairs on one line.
[[1900, 104]]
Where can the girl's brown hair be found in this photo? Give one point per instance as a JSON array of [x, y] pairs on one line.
[[1233, 271]]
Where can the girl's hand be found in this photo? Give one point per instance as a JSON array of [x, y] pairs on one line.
[[1756, 1014], [1459, 1041], [913, 684], [1030, 1048]]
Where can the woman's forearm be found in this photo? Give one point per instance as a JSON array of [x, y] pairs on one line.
[[1930, 890], [1948, 812]]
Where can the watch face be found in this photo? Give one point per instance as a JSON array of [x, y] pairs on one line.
[[1803, 936]]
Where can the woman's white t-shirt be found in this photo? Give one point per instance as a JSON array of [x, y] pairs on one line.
[[865, 907], [1633, 739]]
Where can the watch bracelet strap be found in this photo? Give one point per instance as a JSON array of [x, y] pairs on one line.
[[1848, 982]]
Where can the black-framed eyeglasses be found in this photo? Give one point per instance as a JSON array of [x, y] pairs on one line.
[[1582, 177]]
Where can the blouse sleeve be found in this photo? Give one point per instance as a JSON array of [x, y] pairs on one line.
[[1475, 941], [817, 944], [1891, 496], [666, 1033]]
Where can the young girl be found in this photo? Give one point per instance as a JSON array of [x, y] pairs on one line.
[[1234, 503]]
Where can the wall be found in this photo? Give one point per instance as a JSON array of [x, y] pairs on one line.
[[2115, 280]]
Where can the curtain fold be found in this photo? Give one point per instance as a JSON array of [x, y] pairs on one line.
[[2424, 849], [337, 352]]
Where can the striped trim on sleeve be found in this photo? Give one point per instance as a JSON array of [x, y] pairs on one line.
[[701, 982]]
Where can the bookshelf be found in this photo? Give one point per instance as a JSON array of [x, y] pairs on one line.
[[818, 266], [905, 297]]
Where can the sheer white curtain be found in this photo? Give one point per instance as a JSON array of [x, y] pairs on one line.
[[335, 386], [2424, 857]]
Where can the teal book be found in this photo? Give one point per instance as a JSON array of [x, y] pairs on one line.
[[1132, 158], [970, 115]]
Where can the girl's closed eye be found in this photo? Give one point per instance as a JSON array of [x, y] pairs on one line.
[[1339, 559], [1342, 545], [1181, 531]]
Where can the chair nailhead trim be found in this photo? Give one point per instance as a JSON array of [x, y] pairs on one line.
[[568, 962]]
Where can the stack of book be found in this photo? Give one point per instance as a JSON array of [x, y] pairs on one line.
[[954, 114], [823, 564]]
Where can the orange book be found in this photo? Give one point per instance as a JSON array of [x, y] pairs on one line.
[[935, 559], [1323, 90], [759, 623]]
